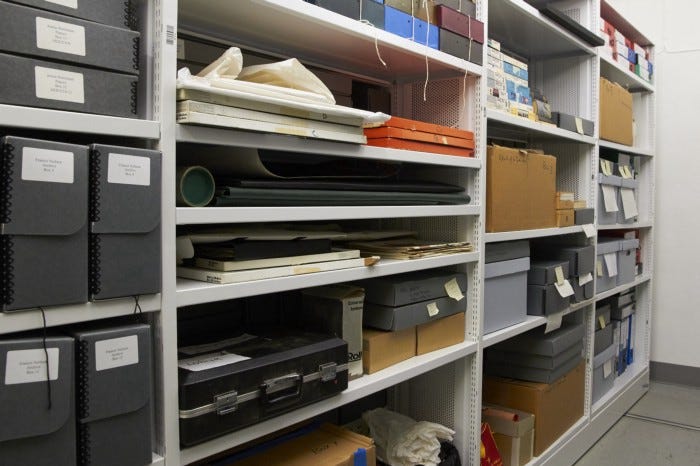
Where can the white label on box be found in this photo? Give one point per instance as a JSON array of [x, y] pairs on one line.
[[129, 169], [52, 166], [589, 230], [599, 267], [553, 321], [210, 361], [559, 272], [60, 37], [453, 290], [601, 321], [629, 203], [609, 198], [564, 288], [215, 346], [27, 366], [433, 309], [579, 125], [607, 368], [68, 3], [116, 352], [584, 279], [611, 263], [59, 85]]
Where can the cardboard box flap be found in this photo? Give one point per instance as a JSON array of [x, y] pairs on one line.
[[501, 425], [125, 190], [42, 185], [24, 400]]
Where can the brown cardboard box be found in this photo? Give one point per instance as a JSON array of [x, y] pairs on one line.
[[615, 113], [565, 200], [556, 406], [329, 445], [440, 333], [382, 349], [565, 217], [520, 190], [514, 438]]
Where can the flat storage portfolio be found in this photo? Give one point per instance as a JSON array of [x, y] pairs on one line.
[[545, 272], [604, 372], [606, 264], [413, 287], [602, 339], [573, 123], [507, 250], [117, 13], [627, 201], [256, 378], [584, 216], [38, 83], [52, 36], [544, 300], [125, 236], [514, 435], [114, 385], [556, 406], [43, 223], [32, 433], [533, 374], [546, 344], [608, 206], [409, 315], [626, 260], [381, 349], [505, 293], [440, 333]]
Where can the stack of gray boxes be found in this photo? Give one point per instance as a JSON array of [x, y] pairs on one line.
[[622, 314], [543, 296], [606, 264], [505, 286], [536, 356], [609, 191], [84, 58], [581, 266], [604, 352], [627, 259]]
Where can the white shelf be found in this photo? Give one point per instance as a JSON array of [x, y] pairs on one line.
[[512, 331], [552, 450], [619, 289], [359, 388], [57, 120], [626, 226], [626, 149], [535, 35], [621, 383], [613, 71], [206, 215], [318, 36], [191, 292], [239, 138], [536, 128], [70, 314], [527, 234], [576, 306]]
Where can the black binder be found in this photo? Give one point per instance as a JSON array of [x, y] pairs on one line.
[[31, 433], [113, 381], [43, 223], [125, 236]]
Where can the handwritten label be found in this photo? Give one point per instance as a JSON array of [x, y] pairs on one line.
[[52, 166], [27, 366], [116, 352], [60, 37], [453, 290], [129, 169], [56, 84]]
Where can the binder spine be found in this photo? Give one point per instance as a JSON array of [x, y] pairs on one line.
[[94, 251], [83, 394], [7, 285]]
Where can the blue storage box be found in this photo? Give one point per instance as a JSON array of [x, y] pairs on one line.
[[397, 22]]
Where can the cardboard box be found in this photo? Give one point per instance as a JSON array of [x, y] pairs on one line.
[[615, 113], [329, 445], [565, 217], [440, 333], [520, 190], [382, 349], [514, 438], [565, 200], [556, 406]]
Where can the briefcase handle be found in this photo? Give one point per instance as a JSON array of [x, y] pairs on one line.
[[281, 388]]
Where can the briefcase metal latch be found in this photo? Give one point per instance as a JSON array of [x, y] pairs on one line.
[[328, 371], [226, 402]]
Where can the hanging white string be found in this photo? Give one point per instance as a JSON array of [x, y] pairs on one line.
[[376, 37]]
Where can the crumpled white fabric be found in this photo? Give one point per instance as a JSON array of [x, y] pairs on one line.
[[401, 441]]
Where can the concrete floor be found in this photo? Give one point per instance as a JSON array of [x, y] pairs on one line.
[[662, 429]]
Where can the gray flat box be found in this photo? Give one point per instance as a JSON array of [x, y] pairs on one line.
[[43, 223], [543, 300], [125, 236], [626, 259], [36, 435], [602, 384], [568, 122], [534, 361], [531, 374], [581, 293], [117, 13], [602, 339], [584, 216], [52, 36], [621, 313], [505, 293], [604, 312], [604, 217], [461, 47], [622, 299], [114, 385], [506, 250], [606, 282], [544, 272], [581, 258], [467, 6], [409, 315], [373, 12], [349, 8], [626, 183], [65, 87], [413, 287], [546, 344]]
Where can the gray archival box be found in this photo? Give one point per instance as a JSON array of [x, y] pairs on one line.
[[117, 13]]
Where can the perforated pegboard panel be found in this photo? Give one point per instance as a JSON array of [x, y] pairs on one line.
[[444, 103], [573, 167], [566, 82], [431, 396]]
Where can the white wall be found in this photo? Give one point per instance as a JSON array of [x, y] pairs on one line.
[[673, 27]]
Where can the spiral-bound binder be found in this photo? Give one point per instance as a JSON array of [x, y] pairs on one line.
[[125, 235], [119, 13], [113, 383], [37, 435], [43, 223]]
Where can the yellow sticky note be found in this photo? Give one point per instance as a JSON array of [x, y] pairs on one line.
[[453, 290], [579, 125], [629, 172], [621, 169], [601, 321], [433, 309], [607, 368], [599, 265], [604, 167], [560, 274]]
